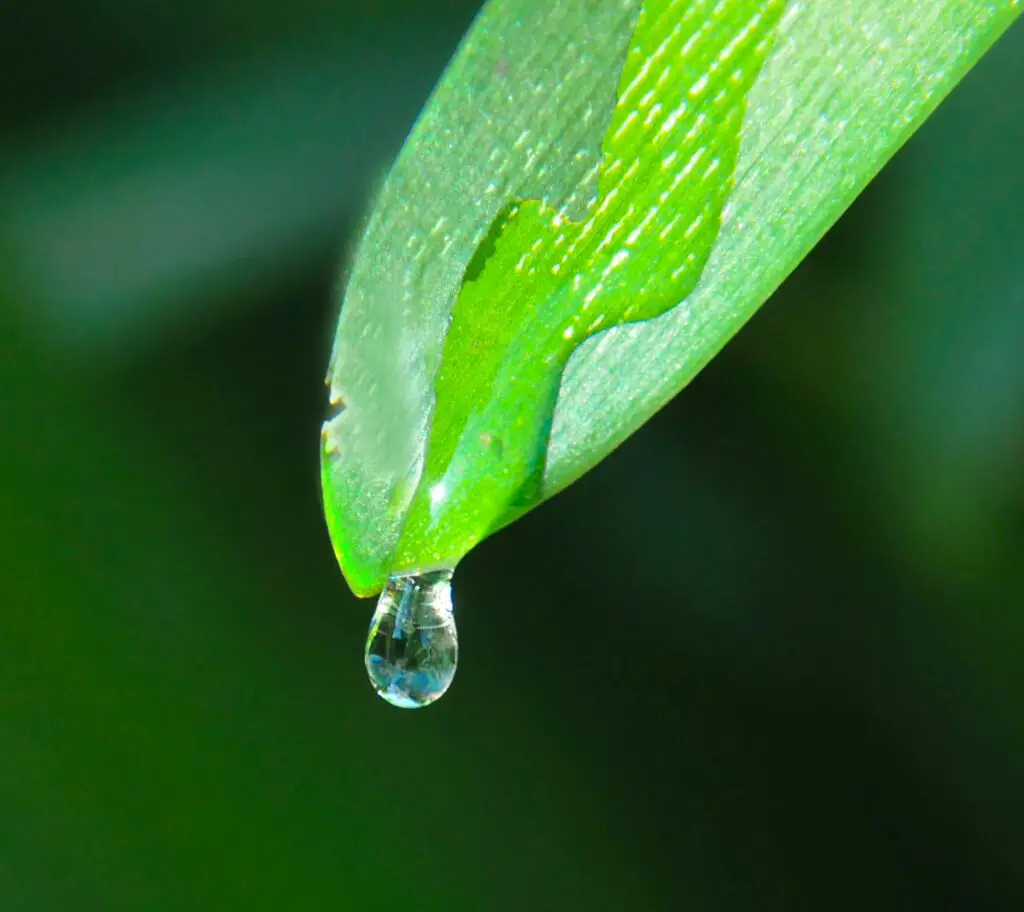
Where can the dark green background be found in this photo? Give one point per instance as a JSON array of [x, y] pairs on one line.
[[768, 656]]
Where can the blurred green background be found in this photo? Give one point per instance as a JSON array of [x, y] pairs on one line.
[[767, 656]]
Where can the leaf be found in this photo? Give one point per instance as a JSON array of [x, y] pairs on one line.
[[595, 199]]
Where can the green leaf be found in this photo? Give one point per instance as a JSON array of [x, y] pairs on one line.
[[596, 198]]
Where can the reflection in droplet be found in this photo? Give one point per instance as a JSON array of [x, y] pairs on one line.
[[412, 647]]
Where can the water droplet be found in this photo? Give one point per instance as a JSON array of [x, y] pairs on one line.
[[412, 647]]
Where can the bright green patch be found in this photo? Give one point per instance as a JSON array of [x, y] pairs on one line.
[[548, 282]]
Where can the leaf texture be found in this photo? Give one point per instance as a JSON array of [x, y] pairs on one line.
[[596, 198]]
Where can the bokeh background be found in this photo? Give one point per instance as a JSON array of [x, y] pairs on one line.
[[767, 656]]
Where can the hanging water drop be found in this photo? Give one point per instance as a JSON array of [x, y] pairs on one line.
[[412, 647]]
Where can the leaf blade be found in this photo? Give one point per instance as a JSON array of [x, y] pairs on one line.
[[845, 84]]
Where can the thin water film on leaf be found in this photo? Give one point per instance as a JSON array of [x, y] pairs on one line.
[[544, 281]]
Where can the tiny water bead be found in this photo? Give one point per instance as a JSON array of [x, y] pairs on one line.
[[412, 647]]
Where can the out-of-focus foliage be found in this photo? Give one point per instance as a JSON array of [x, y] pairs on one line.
[[766, 656]]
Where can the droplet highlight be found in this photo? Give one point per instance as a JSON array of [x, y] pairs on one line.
[[412, 647]]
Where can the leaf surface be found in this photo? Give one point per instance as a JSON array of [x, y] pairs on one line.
[[596, 198]]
